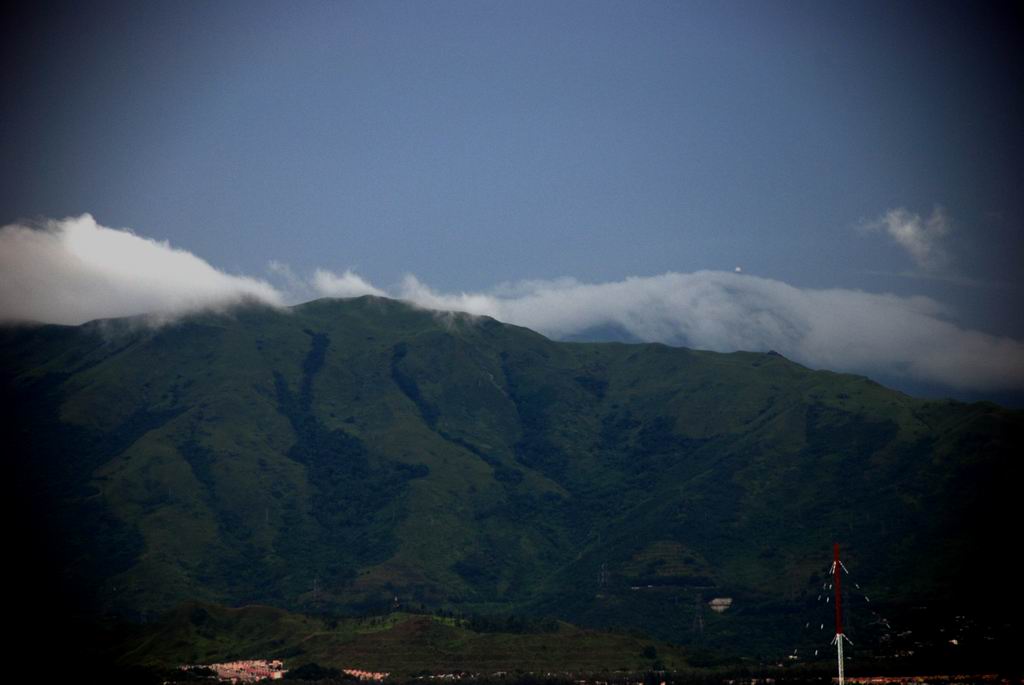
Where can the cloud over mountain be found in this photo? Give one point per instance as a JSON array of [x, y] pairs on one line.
[[839, 329], [73, 270], [348, 284]]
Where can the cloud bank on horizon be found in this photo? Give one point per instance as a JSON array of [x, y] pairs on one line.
[[837, 329], [74, 270]]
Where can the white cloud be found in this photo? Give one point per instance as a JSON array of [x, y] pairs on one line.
[[348, 284], [296, 289], [74, 270], [921, 238], [843, 330]]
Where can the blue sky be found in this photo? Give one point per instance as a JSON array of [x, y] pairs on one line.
[[867, 147]]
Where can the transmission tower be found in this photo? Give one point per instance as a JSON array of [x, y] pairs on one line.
[[838, 568]]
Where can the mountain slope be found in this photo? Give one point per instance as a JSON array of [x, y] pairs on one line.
[[400, 643], [344, 453]]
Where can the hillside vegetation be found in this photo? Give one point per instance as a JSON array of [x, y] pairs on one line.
[[398, 643], [356, 455]]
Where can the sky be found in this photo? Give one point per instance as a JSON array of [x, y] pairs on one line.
[[840, 182]]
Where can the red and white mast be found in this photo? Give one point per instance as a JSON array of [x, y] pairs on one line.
[[838, 566]]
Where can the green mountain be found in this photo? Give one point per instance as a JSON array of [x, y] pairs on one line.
[[359, 455]]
